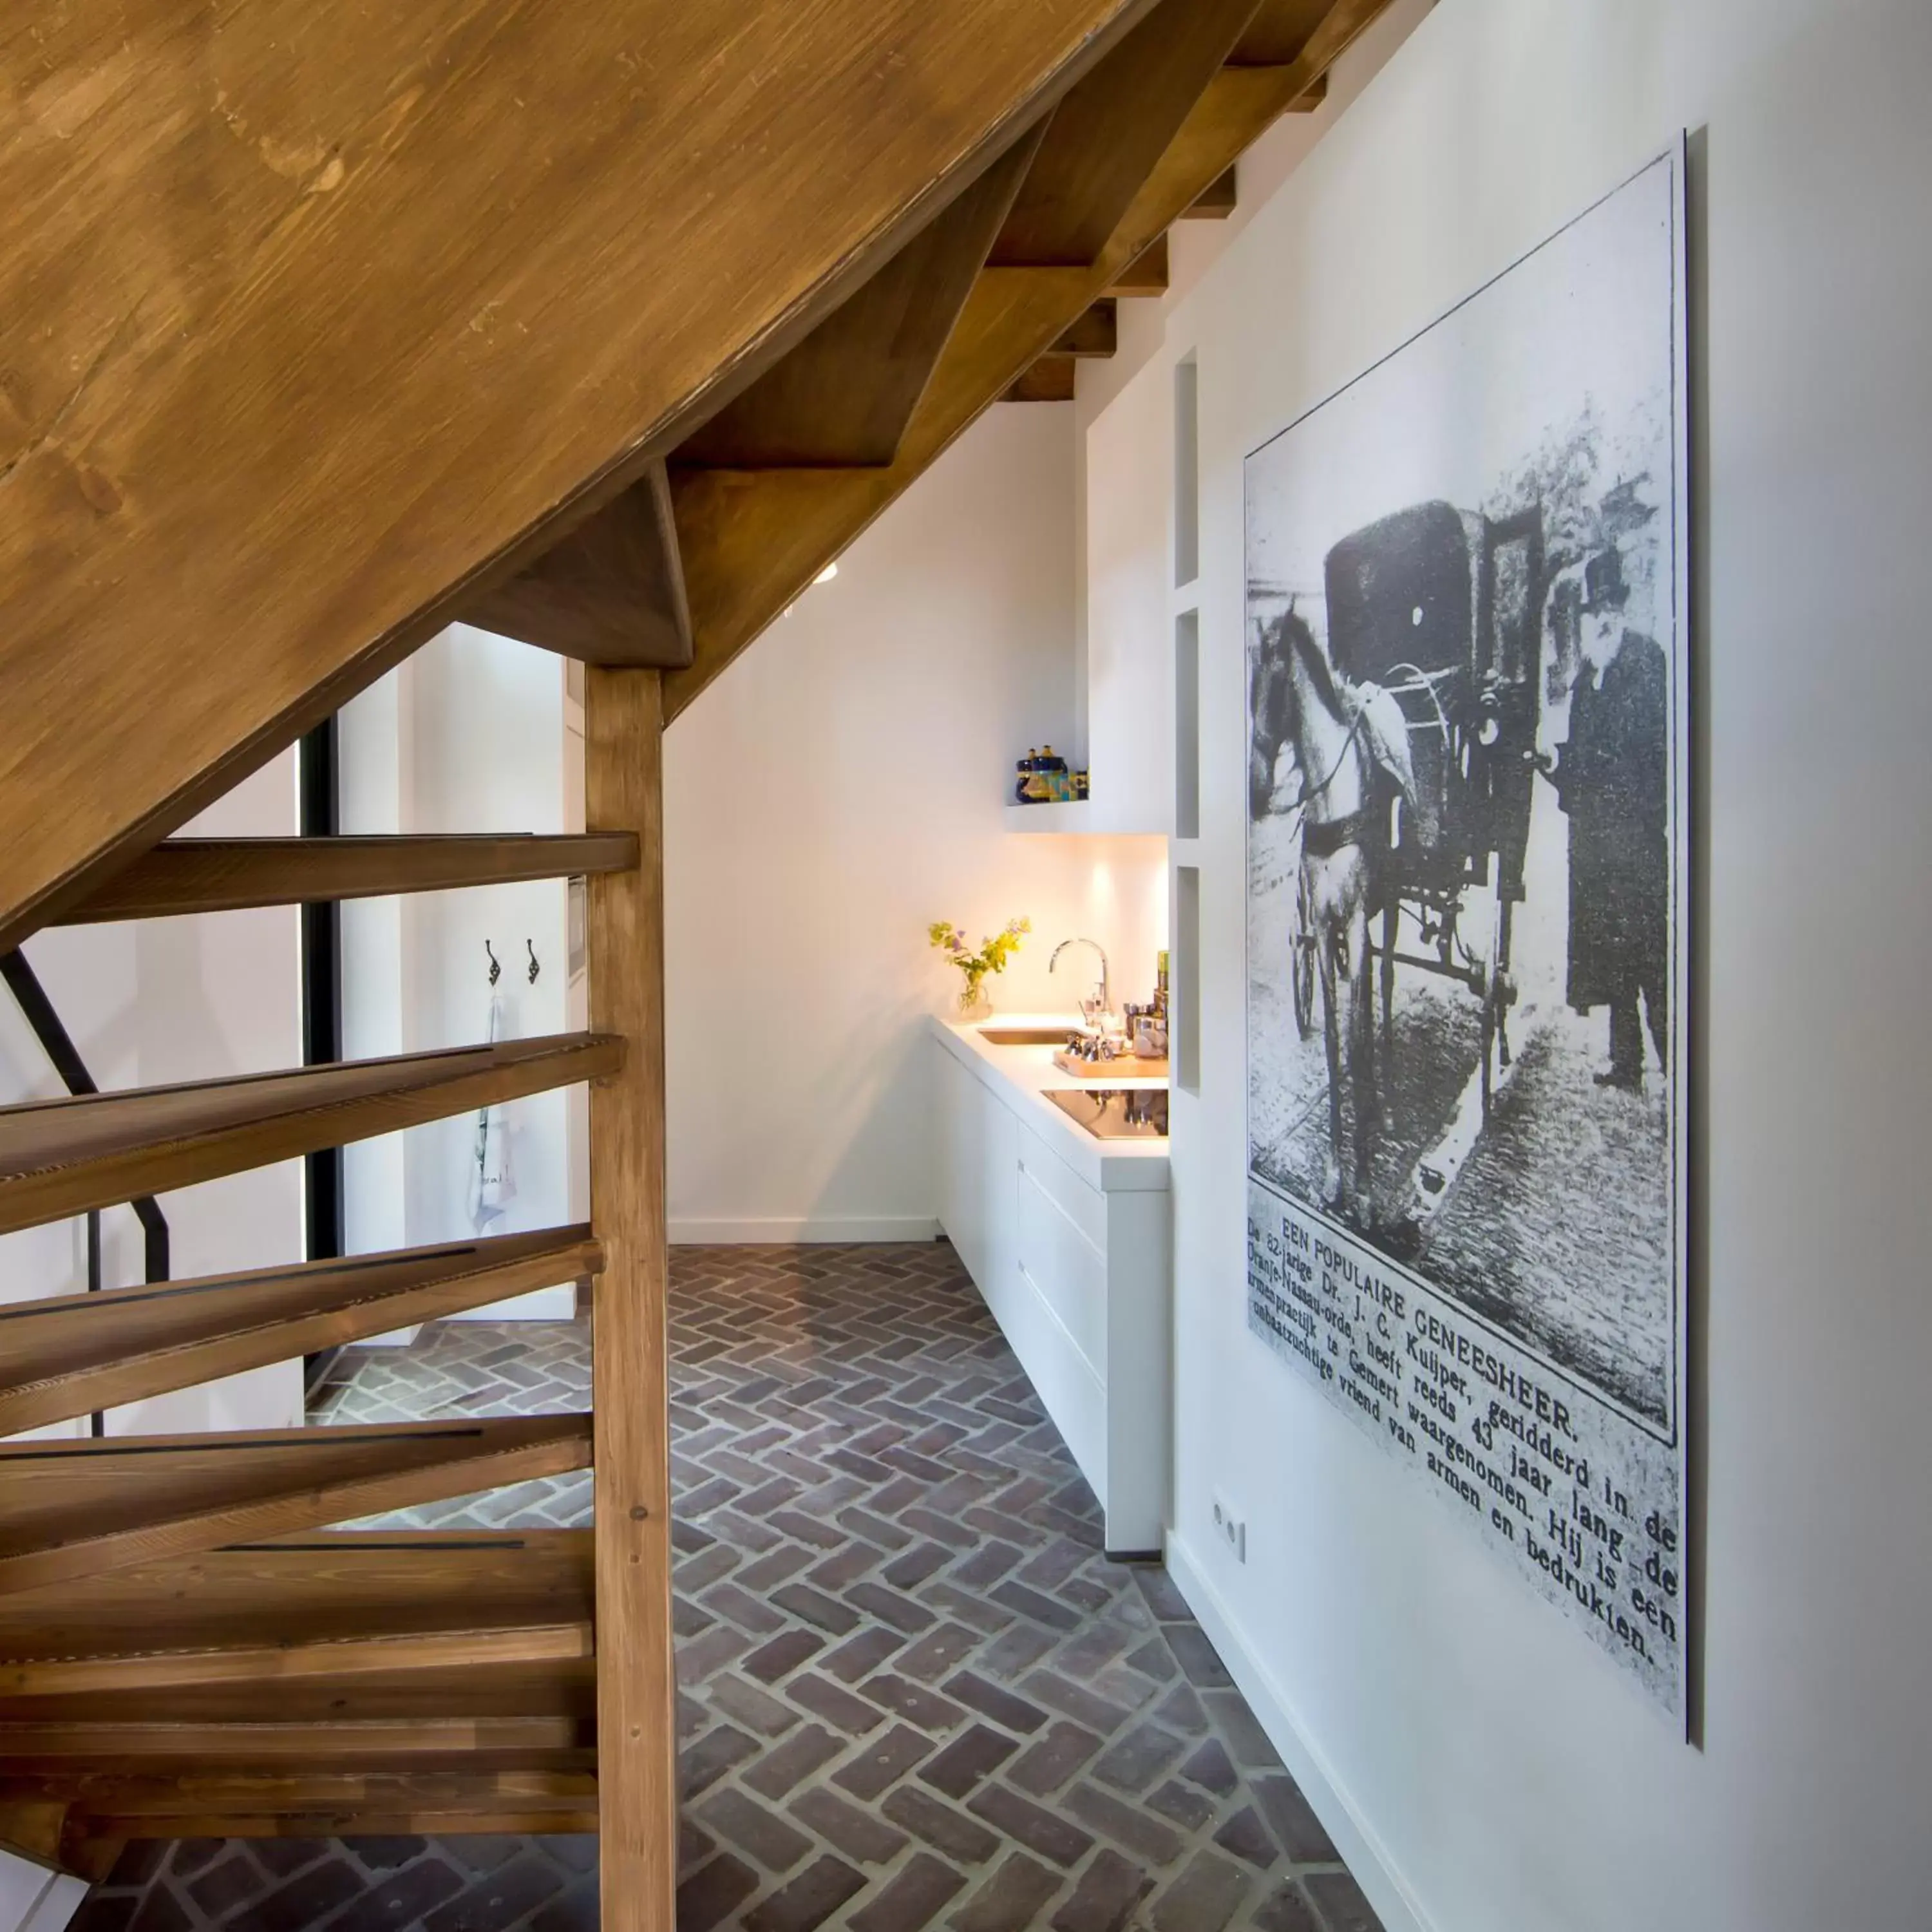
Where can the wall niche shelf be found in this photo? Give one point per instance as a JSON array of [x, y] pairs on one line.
[[1059, 814]]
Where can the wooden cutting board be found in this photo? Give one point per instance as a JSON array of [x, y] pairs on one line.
[[1125, 1067]]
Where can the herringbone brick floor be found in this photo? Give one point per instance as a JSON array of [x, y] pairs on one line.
[[913, 1692]]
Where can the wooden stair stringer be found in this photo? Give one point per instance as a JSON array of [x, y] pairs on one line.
[[302, 446]]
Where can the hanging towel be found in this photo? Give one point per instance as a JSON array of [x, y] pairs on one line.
[[492, 1185]]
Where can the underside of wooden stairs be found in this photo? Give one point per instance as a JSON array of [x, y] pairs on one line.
[[605, 329]]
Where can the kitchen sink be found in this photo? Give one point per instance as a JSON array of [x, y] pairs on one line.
[[1028, 1036]]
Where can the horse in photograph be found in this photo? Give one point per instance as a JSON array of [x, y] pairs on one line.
[[1351, 746]]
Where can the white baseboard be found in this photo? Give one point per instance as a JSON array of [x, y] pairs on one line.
[[689, 1232], [34, 1899], [1355, 1838], [64, 1896]]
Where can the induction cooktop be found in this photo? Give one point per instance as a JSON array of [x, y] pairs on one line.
[[1115, 1113]]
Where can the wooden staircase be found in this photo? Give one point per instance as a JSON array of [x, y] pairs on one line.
[[606, 328]]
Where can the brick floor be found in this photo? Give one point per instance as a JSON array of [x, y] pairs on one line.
[[915, 1694]]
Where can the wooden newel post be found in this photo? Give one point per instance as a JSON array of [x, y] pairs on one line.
[[636, 1690]]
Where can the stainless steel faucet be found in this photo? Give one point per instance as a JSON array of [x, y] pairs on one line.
[[1106, 984]]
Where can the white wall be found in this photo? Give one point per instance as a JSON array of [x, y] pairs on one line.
[[220, 993], [33, 1899], [468, 735], [1485, 1767], [153, 1002], [842, 785], [147, 1003]]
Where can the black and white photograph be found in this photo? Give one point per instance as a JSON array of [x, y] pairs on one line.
[[1466, 935]]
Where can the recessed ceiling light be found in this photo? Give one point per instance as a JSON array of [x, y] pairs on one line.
[[825, 575]]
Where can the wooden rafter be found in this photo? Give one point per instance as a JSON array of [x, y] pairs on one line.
[[845, 394], [1108, 133], [752, 540]]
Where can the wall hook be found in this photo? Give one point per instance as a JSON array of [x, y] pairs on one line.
[[496, 970], [534, 968]]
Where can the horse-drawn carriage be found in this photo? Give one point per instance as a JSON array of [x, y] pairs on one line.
[[1441, 609], [1415, 736]]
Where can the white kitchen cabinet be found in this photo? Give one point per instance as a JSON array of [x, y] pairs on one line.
[[1075, 1270], [975, 1139]]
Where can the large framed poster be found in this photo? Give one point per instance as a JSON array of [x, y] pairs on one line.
[[1468, 840]]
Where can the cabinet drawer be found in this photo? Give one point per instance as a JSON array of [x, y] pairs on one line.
[[1085, 1207], [1063, 1268]]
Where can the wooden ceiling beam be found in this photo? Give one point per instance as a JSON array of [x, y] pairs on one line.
[[846, 393], [291, 385], [1110, 130], [753, 541], [184, 875], [611, 591]]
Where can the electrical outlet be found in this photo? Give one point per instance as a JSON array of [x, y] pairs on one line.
[[1232, 1530]]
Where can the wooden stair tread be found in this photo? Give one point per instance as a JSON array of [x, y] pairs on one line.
[[126, 1802], [62, 1157], [1146, 274], [461, 1675], [183, 875], [68, 1355], [291, 1595], [546, 1743], [348, 1625], [68, 1509]]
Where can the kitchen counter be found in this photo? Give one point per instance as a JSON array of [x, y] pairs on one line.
[[1070, 1240], [1022, 1076]]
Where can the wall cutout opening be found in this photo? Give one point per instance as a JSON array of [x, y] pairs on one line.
[[1184, 980], [1187, 725], [1186, 472]]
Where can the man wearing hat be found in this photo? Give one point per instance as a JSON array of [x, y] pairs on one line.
[[1611, 778]]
